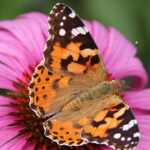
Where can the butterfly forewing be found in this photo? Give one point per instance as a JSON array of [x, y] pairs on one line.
[[70, 46]]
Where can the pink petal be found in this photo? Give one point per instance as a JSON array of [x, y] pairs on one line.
[[7, 60], [34, 39], [118, 48], [134, 69], [41, 19], [15, 52], [17, 144], [6, 84], [120, 59], [144, 124], [28, 35], [5, 110], [7, 134], [5, 121], [15, 48], [138, 99], [5, 100], [8, 73]]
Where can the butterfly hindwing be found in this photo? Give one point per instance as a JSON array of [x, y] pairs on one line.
[[117, 129], [112, 124], [76, 116]]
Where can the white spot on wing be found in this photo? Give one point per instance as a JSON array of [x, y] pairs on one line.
[[49, 26], [112, 146], [79, 30], [74, 32], [132, 143], [49, 19], [62, 10], [72, 14], [49, 37], [127, 145], [62, 32], [61, 24], [129, 139], [51, 12], [57, 4], [56, 14], [64, 18], [117, 136], [129, 125], [55, 7], [123, 139], [137, 134]]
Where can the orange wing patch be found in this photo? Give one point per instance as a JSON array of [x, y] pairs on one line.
[[110, 118], [72, 58], [76, 68], [64, 133], [42, 89]]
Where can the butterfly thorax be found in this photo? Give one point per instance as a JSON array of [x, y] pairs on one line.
[[99, 91]]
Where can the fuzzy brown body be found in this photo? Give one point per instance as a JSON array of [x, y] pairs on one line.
[[100, 91]]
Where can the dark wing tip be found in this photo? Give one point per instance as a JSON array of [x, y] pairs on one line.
[[59, 7]]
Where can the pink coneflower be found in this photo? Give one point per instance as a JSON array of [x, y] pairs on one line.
[[21, 44]]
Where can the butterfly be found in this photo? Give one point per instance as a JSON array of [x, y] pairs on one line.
[[71, 92]]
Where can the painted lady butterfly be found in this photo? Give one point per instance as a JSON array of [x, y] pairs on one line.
[[71, 92]]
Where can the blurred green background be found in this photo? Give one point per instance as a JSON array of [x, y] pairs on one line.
[[131, 17]]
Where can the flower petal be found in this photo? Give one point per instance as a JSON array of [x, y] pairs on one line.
[[5, 110], [17, 144], [8, 73], [29, 36], [134, 69], [8, 60], [121, 61], [139, 102], [144, 124], [14, 49], [138, 99], [40, 19], [6, 84], [8, 133]]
